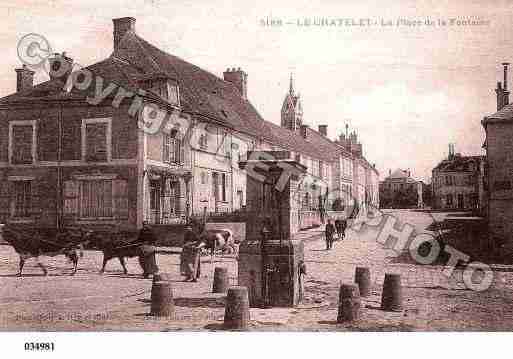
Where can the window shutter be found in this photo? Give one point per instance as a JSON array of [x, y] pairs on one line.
[[182, 151], [178, 198], [71, 198], [120, 198], [165, 148], [6, 190], [35, 199], [166, 198]]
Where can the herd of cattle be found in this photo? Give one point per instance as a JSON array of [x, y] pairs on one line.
[[70, 242]]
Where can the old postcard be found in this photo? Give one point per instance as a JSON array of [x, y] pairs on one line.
[[238, 166]]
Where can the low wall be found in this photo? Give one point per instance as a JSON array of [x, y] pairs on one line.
[[309, 219]]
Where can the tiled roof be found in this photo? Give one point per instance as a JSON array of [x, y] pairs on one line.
[[400, 174], [459, 164], [201, 93], [506, 113]]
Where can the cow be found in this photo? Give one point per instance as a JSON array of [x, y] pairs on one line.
[[219, 239], [120, 245], [33, 243]]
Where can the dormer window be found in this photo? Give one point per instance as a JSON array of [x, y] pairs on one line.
[[172, 93], [165, 88]]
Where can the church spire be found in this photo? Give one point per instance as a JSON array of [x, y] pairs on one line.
[[291, 89]]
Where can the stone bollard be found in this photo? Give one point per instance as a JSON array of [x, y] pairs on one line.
[[162, 304], [363, 279], [220, 280], [159, 277], [391, 298], [236, 313], [349, 304]]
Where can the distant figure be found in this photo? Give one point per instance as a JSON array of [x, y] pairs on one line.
[[329, 232], [338, 227], [190, 263], [341, 226]]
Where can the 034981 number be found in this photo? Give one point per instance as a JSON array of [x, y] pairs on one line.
[[48, 347]]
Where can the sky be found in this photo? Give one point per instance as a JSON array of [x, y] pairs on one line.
[[407, 90]]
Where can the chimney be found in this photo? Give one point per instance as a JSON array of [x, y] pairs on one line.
[[122, 25], [500, 96], [506, 92], [24, 78], [356, 149], [451, 151], [239, 78], [304, 130], [323, 130], [60, 67]]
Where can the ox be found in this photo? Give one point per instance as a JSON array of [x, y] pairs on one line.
[[33, 243], [120, 245], [219, 239]]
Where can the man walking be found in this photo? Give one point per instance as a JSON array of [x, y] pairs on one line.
[[329, 231], [338, 227], [343, 228]]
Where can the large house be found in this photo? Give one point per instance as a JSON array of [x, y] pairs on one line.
[[87, 147], [499, 166], [457, 182], [400, 190]]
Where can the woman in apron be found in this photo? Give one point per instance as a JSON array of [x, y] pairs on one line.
[[190, 263]]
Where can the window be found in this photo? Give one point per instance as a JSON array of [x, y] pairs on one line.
[[173, 93], [219, 186], [227, 145], [215, 186], [173, 149], [203, 178], [22, 142], [306, 204], [223, 187], [174, 194], [203, 141], [449, 200], [96, 197], [96, 139], [164, 88], [22, 203], [448, 180], [240, 197]]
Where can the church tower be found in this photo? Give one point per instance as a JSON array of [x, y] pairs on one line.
[[291, 110]]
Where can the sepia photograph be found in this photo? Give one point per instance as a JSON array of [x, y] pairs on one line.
[[238, 168]]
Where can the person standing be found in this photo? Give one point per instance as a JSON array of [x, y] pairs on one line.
[[147, 259], [190, 263], [338, 227], [344, 227], [329, 231]]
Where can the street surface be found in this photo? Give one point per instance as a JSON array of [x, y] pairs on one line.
[[114, 301]]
